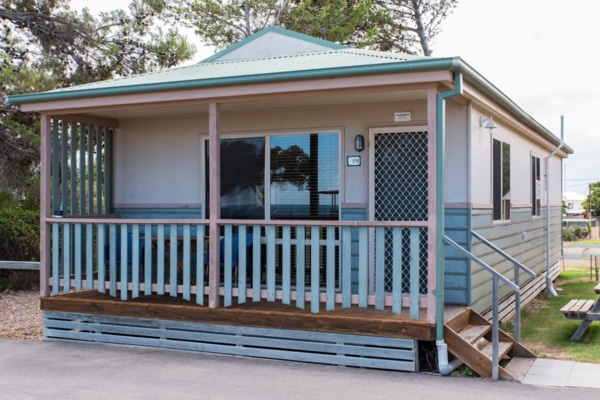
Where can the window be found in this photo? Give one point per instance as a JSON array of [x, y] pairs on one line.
[[536, 187], [242, 178], [302, 178], [501, 180]]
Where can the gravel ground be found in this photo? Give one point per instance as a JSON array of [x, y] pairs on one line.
[[20, 315]]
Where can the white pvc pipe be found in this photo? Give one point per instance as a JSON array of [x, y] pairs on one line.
[[551, 292]]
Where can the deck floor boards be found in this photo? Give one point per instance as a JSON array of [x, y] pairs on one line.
[[354, 320]]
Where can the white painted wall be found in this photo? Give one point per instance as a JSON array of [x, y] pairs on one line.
[[457, 160], [522, 149], [158, 161]]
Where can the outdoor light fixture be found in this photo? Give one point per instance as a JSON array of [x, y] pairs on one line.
[[487, 123], [359, 143]]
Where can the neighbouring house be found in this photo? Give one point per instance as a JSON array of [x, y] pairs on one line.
[[297, 199], [572, 202]]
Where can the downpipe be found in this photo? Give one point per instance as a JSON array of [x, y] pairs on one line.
[[444, 366], [551, 292]]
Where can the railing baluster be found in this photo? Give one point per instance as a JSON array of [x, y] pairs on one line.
[[346, 266], [78, 256], [314, 269], [415, 269], [200, 260], [56, 247], [300, 266], [112, 245], [330, 265], [397, 270], [242, 264], [271, 234], [228, 265], [173, 267], [135, 260], [67, 257], [124, 261], [147, 259], [363, 267], [379, 267], [286, 267], [160, 258], [256, 263], [100, 245], [89, 255], [186, 262]]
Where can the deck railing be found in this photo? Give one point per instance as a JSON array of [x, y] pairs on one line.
[[323, 264]]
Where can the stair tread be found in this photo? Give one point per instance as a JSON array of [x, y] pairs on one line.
[[472, 333], [503, 349], [518, 367]]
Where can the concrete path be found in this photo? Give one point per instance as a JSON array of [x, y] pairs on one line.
[[563, 373], [57, 370]]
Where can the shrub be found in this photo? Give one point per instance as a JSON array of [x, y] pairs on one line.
[[574, 232]]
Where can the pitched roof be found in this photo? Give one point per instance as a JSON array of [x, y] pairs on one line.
[[277, 55]]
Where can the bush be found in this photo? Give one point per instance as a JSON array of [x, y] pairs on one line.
[[19, 241], [574, 232]]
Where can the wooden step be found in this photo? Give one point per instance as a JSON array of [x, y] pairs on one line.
[[518, 367], [503, 349], [472, 333]]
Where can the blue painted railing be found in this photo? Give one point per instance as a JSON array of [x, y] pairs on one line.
[[318, 263]]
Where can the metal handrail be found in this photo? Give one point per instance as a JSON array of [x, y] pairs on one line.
[[495, 277], [518, 266]]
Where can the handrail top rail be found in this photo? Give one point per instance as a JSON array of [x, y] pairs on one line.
[[190, 221], [491, 270], [503, 254]]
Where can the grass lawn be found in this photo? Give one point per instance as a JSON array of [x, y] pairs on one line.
[[547, 332]]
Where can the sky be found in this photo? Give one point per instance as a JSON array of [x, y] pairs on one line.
[[540, 53]]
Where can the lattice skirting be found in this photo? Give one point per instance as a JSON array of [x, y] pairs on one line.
[[280, 344]]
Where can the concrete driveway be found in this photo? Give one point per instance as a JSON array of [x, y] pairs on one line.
[[57, 370]]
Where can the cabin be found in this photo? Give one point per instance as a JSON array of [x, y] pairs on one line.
[[296, 199]]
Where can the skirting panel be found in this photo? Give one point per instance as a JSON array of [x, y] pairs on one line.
[[280, 344]]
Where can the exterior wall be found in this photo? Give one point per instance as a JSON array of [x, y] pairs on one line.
[[457, 271], [158, 162], [523, 238]]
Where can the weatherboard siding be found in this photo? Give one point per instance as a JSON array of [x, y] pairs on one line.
[[523, 238], [457, 269]]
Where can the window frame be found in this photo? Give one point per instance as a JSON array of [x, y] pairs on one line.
[[501, 161], [536, 186], [267, 135]]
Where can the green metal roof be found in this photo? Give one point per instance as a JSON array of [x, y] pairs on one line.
[[332, 63], [335, 62]]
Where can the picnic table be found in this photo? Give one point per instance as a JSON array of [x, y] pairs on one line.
[[585, 310]]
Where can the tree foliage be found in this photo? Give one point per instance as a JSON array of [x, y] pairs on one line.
[[389, 25], [594, 200], [45, 45]]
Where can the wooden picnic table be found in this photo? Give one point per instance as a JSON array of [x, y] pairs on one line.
[[585, 310]]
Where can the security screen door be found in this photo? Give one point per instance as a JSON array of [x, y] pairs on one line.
[[399, 192]]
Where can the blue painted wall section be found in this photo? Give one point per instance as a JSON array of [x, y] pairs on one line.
[[354, 214], [457, 268]]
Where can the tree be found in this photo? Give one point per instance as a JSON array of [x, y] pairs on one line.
[[413, 24], [45, 45], [389, 25], [595, 199]]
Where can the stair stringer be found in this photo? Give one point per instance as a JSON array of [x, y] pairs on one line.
[[468, 353]]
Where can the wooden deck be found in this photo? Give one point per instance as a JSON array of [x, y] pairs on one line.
[[354, 320]]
